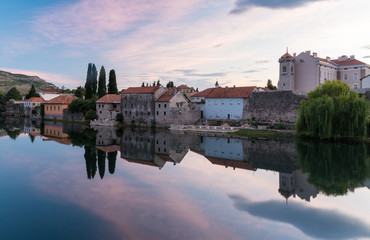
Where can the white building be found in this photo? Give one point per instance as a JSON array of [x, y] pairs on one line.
[[306, 71]]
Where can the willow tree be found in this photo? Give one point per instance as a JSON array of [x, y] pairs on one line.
[[333, 110]]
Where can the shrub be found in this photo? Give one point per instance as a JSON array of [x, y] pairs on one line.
[[119, 117], [91, 115]]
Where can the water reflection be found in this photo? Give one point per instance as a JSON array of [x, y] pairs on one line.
[[334, 168]]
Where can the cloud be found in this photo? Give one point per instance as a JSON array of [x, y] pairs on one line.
[[317, 223], [193, 73], [366, 56], [262, 61], [367, 46], [242, 6], [251, 71], [218, 45]]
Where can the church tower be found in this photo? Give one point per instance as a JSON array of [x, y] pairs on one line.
[[287, 70]]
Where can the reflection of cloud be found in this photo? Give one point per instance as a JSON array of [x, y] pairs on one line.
[[318, 223], [242, 6]]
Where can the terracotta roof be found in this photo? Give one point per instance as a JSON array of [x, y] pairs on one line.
[[347, 62], [286, 55], [167, 96], [184, 86], [203, 93], [232, 92], [62, 99], [143, 162], [35, 99], [49, 90], [165, 157], [112, 148], [110, 98], [141, 90], [324, 60], [231, 163], [64, 141]]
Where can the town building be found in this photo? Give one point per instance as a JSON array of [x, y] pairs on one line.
[[48, 94], [200, 97], [173, 108], [53, 109], [138, 104], [32, 104], [108, 106], [14, 108], [185, 89], [306, 71], [365, 82], [228, 103]]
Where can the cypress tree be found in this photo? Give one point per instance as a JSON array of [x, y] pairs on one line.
[[94, 79], [32, 93], [112, 82], [102, 89], [101, 163], [112, 156], [88, 84]]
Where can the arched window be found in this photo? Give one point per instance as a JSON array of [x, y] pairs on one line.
[[291, 69], [284, 69]]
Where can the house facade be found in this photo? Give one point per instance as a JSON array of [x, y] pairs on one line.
[[53, 109], [173, 108], [185, 89], [138, 104], [228, 103], [31, 104], [306, 71], [108, 106], [365, 82]]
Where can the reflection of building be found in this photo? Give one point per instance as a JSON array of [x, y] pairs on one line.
[[54, 132], [296, 183]]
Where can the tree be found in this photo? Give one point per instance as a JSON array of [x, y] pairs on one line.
[[158, 83], [101, 163], [170, 84], [143, 85], [112, 83], [112, 156], [217, 85], [332, 110], [13, 93], [32, 93], [270, 86], [102, 88], [89, 82], [80, 91], [94, 79]]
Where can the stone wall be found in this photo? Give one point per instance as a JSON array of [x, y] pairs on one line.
[[73, 117], [274, 106]]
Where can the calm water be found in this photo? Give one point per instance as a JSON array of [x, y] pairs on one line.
[[67, 182]]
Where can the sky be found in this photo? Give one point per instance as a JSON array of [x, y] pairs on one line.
[[192, 42]]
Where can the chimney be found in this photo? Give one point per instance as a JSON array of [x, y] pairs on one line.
[[343, 58], [352, 57], [234, 86], [308, 52], [327, 58], [314, 55], [294, 54]]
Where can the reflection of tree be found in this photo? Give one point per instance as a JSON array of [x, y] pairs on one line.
[[333, 168], [13, 134], [112, 156], [90, 159], [101, 163], [32, 138]]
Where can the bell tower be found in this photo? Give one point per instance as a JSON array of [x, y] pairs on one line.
[[287, 72]]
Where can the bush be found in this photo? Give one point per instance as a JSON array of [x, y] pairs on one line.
[[82, 105], [90, 115], [119, 117]]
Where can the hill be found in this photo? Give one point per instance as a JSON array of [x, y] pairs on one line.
[[22, 82]]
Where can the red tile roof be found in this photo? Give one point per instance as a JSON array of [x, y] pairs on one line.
[[110, 98], [49, 90], [347, 62], [203, 93], [111, 148], [167, 96], [141, 90], [231, 163], [62, 99], [286, 55], [35, 99], [232, 92], [184, 87]]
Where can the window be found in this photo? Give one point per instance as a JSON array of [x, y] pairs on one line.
[[164, 113], [159, 105], [157, 113], [291, 68], [355, 76], [345, 76], [284, 69], [58, 108], [165, 105], [231, 102], [148, 113], [355, 86]]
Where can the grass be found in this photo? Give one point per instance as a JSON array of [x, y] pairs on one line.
[[263, 133]]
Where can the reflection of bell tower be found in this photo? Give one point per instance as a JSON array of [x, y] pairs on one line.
[[286, 184], [287, 69]]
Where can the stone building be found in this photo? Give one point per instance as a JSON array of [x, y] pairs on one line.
[[185, 89], [137, 104], [200, 97], [14, 108], [108, 106], [173, 108], [306, 71], [32, 104], [365, 82], [53, 109]]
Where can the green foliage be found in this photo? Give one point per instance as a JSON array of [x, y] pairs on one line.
[[112, 156], [332, 110], [119, 117], [102, 89], [143, 85], [42, 111], [101, 163], [112, 82], [80, 92], [13, 93], [158, 83], [270, 86], [32, 93], [170, 84], [91, 81], [333, 168], [82, 105], [91, 115]]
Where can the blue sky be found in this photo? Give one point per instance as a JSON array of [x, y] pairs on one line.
[[193, 42]]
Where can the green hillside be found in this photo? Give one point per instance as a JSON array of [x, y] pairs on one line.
[[22, 82]]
